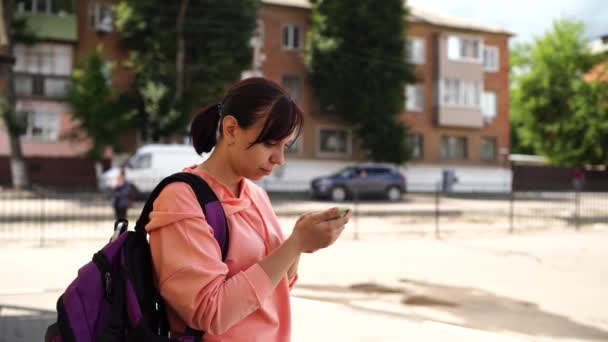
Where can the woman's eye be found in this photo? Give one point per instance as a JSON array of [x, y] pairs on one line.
[[270, 143]]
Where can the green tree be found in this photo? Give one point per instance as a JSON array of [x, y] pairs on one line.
[[183, 54], [101, 117], [357, 60], [14, 30], [555, 111]]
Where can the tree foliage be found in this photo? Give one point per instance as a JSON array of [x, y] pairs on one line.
[[558, 111], [357, 58], [183, 54], [100, 115]]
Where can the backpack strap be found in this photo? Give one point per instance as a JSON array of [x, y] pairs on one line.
[[212, 208], [214, 214]]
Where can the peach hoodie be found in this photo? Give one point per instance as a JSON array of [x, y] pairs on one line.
[[232, 300]]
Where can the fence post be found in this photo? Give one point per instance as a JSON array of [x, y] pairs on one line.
[[511, 212], [437, 213], [577, 208], [42, 218], [356, 208]]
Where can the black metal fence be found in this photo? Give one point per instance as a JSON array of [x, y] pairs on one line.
[[44, 216]]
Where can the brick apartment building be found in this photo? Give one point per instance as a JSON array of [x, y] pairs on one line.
[[457, 112]]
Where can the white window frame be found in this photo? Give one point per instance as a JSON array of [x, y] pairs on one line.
[[60, 88], [416, 92], [259, 33], [349, 142], [290, 37], [489, 110], [95, 20], [50, 128], [484, 140], [454, 48], [44, 59], [297, 147], [491, 64], [294, 93], [20, 6], [416, 50], [24, 84], [420, 139], [460, 93], [465, 150]]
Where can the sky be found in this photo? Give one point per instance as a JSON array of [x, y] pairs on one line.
[[525, 18]]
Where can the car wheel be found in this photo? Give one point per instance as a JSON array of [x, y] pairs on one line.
[[338, 194], [393, 193]]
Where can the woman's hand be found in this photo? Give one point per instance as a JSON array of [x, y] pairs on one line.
[[314, 231]]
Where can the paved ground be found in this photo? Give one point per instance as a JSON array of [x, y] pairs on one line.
[[547, 285]]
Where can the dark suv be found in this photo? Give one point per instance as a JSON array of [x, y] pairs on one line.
[[361, 181]]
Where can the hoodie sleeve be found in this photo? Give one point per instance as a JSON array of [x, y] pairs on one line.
[[191, 275], [272, 217]]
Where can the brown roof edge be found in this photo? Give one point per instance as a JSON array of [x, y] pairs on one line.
[[417, 14], [463, 29]]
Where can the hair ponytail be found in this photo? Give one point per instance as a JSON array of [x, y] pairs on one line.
[[249, 101], [203, 129]]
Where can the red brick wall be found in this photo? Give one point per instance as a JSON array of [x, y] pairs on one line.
[[424, 122]]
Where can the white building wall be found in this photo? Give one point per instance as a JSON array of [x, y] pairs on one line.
[[296, 175]]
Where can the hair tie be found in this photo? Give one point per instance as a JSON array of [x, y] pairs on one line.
[[220, 109]]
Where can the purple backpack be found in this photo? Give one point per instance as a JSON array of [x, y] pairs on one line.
[[114, 297]]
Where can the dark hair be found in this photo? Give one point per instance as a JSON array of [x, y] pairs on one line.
[[248, 101]]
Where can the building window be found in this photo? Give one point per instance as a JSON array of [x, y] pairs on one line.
[[453, 148], [488, 105], [41, 85], [461, 93], [292, 84], [37, 6], [414, 98], [24, 85], [56, 87], [415, 50], [295, 147], [100, 16], [258, 34], [292, 37], [490, 58], [488, 149], [334, 141], [42, 70], [464, 49], [415, 143], [42, 126], [46, 59]]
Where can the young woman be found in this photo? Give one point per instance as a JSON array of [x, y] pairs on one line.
[[246, 297]]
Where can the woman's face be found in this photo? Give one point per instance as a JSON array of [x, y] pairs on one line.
[[257, 161]]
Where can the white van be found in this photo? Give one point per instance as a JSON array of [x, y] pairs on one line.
[[151, 163]]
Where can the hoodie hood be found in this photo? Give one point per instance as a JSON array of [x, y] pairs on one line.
[[182, 207]]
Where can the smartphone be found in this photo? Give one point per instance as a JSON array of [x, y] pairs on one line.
[[342, 212]]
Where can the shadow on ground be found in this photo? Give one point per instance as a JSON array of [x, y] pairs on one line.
[[467, 307]]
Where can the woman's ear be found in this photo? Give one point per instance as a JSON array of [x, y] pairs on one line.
[[229, 128]]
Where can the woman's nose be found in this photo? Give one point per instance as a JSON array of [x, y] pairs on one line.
[[278, 157]]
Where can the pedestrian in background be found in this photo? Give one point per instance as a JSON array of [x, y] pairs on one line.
[[122, 195]]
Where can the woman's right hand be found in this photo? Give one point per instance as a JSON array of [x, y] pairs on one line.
[[314, 231]]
